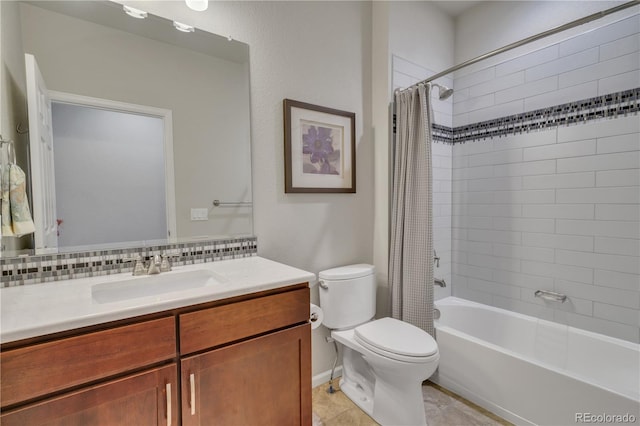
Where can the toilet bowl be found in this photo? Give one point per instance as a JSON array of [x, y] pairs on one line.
[[384, 361]]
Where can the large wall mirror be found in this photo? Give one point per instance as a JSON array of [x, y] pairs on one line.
[[150, 126]]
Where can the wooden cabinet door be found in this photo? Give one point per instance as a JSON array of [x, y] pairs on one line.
[[262, 381], [148, 398]]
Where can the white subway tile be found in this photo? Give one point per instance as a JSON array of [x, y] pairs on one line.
[[569, 242], [618, 83], [477, 77], [560, 150], [612, 296], [615, 195], [476, 147], [410, 68], [524, 224], [616, 161], [529, 60], [494, 210], [620, 47], [494, 288], [473, 104], [618, 177], [609, 262], [597, 325], [561, 96], [473, 295], [496, 84], [616, 314], [600, 70], [619, 143], [539, 138], [496, 184], [479, 197], [478, 272], [497, 111], [533, 196], [622, 246], [563, 64], [526, 169], [496, 157], [473, 246], [459, 161], [460, 94], [521, 252], [600, 36], [561, 180], [527, 90], [522, 280], [559, 211], [565, 272], [506, 237], [598, 228], [473, 222], [618, 212], [599, 129], [472, 172], [616, 279]]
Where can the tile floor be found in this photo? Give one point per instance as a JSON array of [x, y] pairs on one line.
[[442, 408]]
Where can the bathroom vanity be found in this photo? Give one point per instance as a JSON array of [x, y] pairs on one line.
[[241, 357]]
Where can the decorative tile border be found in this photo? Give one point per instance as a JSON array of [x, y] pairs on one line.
[[599, 107], [57, 267]]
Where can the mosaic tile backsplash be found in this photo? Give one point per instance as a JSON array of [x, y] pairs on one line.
[[57, 267]]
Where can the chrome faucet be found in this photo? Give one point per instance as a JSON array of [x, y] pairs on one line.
[[154, 265], [138, 265], [439, 282]]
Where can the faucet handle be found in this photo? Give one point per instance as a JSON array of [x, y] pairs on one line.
[[138, 266], [165, 265], [436, 259]]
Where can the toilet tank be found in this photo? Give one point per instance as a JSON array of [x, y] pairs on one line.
[[347, 295]]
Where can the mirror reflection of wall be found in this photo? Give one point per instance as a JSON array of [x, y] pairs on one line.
[[113, 162], [208, 96]]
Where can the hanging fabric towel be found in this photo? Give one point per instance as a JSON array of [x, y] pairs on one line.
[[5, 211], [22, 222]]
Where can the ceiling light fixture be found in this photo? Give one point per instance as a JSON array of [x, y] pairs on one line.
[[183, 27], [134, 13], [197, 5]]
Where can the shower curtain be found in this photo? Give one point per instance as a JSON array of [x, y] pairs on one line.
[[411, 245]]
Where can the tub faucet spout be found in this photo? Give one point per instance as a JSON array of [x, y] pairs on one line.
[[439, 282]]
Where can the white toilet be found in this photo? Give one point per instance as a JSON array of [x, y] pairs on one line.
[[384, 361]]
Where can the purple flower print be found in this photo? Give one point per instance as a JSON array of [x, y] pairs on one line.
[[317, 142]]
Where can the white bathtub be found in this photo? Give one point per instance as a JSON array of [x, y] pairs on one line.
[[532, 371]]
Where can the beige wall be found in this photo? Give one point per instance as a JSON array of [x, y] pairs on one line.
[[316, 52]]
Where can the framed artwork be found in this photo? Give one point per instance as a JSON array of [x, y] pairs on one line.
[[319, 149]]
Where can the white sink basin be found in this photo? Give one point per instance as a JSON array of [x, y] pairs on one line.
[[154, 285]]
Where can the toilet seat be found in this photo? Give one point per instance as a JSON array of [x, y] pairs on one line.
[[397, 340]]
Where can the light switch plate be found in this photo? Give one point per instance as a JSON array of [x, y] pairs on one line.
[[199, 214]]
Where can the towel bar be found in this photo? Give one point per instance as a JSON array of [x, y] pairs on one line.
[[551, 295]]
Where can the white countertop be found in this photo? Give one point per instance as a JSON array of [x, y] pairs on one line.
[[38, 309]]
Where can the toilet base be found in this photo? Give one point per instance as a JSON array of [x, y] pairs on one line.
[[379, 395]]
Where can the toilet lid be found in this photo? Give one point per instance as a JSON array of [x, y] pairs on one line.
[[392, 336]]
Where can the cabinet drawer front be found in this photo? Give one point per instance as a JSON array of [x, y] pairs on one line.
[[37, 370], [139, 399], [223, 324]]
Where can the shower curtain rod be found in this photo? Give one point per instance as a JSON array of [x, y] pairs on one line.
[[527, 40]]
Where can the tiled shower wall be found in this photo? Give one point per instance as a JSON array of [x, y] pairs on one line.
[[406, 73], [556, 208]]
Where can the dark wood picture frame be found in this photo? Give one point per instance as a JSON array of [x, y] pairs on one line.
[[323, 166]]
